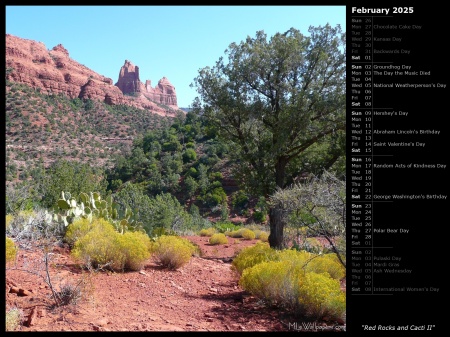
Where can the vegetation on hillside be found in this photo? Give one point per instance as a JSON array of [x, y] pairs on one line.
[[41, 129]]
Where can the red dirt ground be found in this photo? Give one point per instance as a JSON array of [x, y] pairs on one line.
[[203, 295]]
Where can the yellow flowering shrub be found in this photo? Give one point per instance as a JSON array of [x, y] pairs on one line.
[[98, 247], [99, 244], [218, 239], [288, 285], [11, 250], [249, 256], [327, 263], [79, 228], [298, 257], [320, 296], [172, 252], [27, 214], [135, 247], [247, 234], [276, 282], [263, 236], [13, 317], [207, 231], [244, 233], [9, 219]]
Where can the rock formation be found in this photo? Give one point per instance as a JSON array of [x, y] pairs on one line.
[[53, 72], [129, 83]]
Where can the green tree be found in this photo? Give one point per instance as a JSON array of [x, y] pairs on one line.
[[150, 142], [274, 101], [191, 186], [189, 155], [202, 178], [167, 213], [70, 176], [18, 197], [139, 163], [133, 197]]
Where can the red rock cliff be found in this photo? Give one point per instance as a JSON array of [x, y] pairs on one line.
[[53, 71]]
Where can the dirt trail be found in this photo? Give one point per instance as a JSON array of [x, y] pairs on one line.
[[203, 295]]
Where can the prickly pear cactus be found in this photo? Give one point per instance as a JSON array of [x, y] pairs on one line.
[[92, 205]]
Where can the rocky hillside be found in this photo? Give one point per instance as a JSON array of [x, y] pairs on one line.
[[57, 108], [54, 72]]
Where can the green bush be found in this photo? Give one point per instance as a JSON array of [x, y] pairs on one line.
[[216, 197], [11, 250], [216, 176], [73, 176], [214, 184], [189, 155], [164, 210], [226, 226], [192, 172], [239, 199], [218, 239], [259, 216], [172, 252]]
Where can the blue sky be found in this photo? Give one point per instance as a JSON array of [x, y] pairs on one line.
[[170, 41]]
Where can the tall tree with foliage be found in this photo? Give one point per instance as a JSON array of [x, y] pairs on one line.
[[277, 101]]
